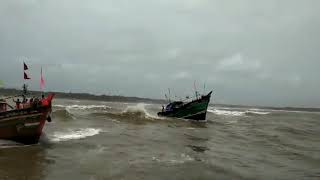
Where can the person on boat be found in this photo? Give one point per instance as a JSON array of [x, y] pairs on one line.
[[162, 108], [18, 103], [35, 102], [31, 100], [44, 101], [24, 99]]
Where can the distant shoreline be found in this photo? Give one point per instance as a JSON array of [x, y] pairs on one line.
[[84, 96], [114, 98]]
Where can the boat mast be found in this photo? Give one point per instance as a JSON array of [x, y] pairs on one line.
[[169, 95]]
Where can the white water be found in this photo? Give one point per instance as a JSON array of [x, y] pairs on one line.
[[74, 134], [140, 108], [230, 112], [259, 112], [226, 113]]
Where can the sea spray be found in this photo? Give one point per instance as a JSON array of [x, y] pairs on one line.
[[140, 109]]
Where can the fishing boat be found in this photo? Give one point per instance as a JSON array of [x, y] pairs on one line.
[[193, 110], [24, 122]]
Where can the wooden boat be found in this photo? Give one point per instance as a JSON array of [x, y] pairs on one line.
[[25, 124], [194, 110]]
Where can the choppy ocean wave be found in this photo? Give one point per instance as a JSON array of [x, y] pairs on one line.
[[63, 114], [140, 109], [257, 143], [136, 113]]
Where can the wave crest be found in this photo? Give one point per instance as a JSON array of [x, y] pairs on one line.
[[62, 113]]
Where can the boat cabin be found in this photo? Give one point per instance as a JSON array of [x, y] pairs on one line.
[[174, 105]]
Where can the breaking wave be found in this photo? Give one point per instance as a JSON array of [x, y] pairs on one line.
[[140, 109], [72, 134], [136, 113], [133, 114], [62, 113]]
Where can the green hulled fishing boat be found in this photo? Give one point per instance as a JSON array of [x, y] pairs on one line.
[[194, 110]]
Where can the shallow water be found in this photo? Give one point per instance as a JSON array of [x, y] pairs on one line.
[[102, 140]]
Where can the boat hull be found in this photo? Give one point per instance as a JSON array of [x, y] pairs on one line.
[[195, 110]]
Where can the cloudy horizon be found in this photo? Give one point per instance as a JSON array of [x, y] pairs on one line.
[[248, 52]]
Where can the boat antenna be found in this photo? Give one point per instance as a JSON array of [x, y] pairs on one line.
[[169, 95], [195, 89], [165, 95], [204, 87]]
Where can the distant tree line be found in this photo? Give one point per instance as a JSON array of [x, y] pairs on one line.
[[84, 96]]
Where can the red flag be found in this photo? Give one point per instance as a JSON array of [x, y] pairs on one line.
[[42, 82], [26, 76], [25, 67]]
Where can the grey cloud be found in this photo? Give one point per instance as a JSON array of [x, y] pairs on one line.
[[249, 52]]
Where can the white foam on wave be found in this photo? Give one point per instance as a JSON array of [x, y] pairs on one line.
[[258, 112], [231, 112], [140, 108], [226, 113], [74, 134]]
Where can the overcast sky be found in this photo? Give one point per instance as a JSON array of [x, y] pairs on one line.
[[248, 51]]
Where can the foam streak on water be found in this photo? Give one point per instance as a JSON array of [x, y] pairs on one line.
[[226, 113], [232, 112], [74, 134]]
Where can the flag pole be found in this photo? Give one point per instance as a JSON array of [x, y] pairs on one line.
[[195, 89], [24, 80], [42, 82], [25, 77]]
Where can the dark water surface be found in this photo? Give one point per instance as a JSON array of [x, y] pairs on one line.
[[92, 140]]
